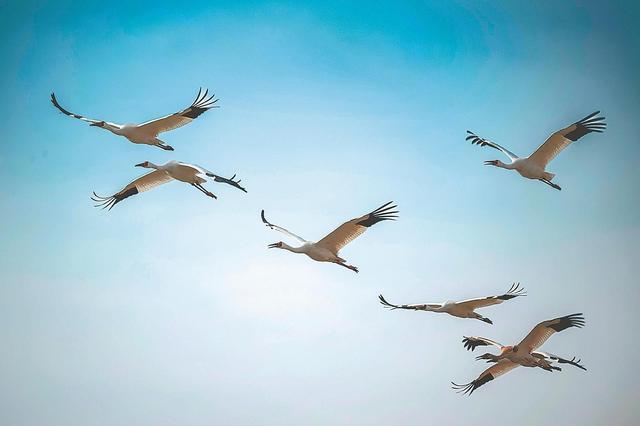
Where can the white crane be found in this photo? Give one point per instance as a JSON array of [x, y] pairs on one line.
[[189, 173], [533, 166], [326, 250], [463, 309], [523, 354], [147, 133]]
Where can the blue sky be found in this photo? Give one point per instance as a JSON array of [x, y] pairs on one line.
[[170, 310]]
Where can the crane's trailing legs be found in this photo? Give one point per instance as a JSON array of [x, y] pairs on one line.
[[202, 189], [551, 184], [161, 144], [481, 318], [342, 263]]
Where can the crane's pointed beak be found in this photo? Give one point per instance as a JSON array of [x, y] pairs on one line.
[[274, 245], [139, 165]]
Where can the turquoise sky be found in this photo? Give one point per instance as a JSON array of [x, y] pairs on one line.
[[169, 310]]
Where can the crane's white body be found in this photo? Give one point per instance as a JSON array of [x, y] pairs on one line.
[[183, 172], [453, 309], [449, 307], [457, 310], [523, 358], [527, 168], [315, 252], [135, 133]]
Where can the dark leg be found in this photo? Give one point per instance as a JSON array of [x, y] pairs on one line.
[[210, 194], [484, 319], [165, 147], [201, 189], [553, 185], [353, 268]]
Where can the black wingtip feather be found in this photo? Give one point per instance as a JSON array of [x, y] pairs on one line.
[[514, 291], [384, 212], [386, 304], [264, 219], [587, 125], [568, 321]]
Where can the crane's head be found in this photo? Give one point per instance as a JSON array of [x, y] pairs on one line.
[[279, 244], [98, 124], [496, 163], [489, 357], [145, 165]]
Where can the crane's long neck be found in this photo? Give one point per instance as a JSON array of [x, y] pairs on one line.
[[114, 129], [509, 166], [150, 165], [300, 249]]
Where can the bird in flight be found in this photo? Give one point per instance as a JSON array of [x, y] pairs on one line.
[[523, 354], [173, 170], [326, 250], [147, 133], [534, 166], [463, 309]]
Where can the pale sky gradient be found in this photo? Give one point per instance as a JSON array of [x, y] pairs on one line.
[[170, 310]]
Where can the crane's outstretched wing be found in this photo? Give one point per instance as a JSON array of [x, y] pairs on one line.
[[143, 183], [501, 367], [562, 138], [477, 140], [200, 105], [352, 229], [471, 342], [281, 229], [55, 103], [422, 307], [558, 359], [481, 302], [545, 329]]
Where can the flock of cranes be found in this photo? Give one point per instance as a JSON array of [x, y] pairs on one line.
[[327, 249], [523, 354]]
